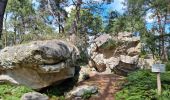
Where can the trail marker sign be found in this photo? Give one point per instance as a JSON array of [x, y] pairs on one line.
[[158, 68]]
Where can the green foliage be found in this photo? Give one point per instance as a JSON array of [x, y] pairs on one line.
[[48, 36], [116, 25], [110, 44], [83, 58], [151, 38], [142, 85], [1, 44], [150, 41], [168, 66], [143, 54], [12, 92], [88, 23], [24, 23], [91, 23], [87, 95], [127, 22]]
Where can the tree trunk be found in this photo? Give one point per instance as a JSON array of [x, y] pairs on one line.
[[77, 16], [3, 4], [15, 36], [6, 34], [59, 22], [160, 31], [164, 56], [15, 33]]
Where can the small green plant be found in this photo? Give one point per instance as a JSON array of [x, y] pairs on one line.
[[83, 58], [87, 95], [143, 54], [110, 44]]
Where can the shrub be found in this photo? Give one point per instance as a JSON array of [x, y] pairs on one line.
[[142, 85]]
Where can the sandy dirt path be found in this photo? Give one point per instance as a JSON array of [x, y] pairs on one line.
[[108, 85]]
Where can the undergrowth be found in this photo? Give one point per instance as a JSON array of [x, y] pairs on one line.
[[142, 85], [12, 92], [15, 92]]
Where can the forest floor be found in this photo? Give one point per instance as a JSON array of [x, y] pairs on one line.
[[108, 85]]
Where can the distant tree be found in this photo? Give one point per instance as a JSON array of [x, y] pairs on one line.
[[120, 23], [160, 10], [90, 5], [3, 4], [24, 22], [113, 22], [21, 17], [55, 9], [88, 24]]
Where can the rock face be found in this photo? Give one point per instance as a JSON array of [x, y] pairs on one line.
[[119, 54], [146, 62], [38, 64], [83, 74], [34, 96]]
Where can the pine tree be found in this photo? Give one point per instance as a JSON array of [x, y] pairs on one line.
[[3, 4]]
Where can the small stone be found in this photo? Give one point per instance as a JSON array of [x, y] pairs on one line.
[[34, 96], [81, 90]]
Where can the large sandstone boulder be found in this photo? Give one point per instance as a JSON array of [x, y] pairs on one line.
[[38, 64], [126, 64], [119, 54]]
